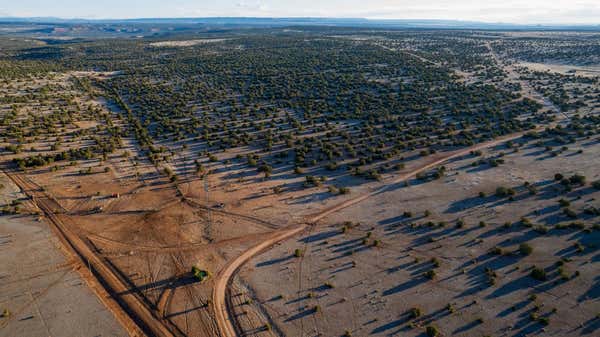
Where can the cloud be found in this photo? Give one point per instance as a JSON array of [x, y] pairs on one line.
[[252, 5], [513, 11]]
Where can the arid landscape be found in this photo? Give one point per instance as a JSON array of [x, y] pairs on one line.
[[303, 181]]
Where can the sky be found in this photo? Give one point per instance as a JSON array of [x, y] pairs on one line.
[[507, 11]]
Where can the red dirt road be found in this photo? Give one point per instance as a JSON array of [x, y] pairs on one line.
[[222, 318]]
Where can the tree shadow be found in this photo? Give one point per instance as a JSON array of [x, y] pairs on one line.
[[478, 278], [467, 327], [320, 236], [301, 314], [404, 318], [593, 293], [172, 282], [467, 203], [274, 261], [591, 326], [405, 286], [513, 309]]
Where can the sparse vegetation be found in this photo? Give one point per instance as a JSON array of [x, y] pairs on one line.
[[538, 274], [203, 150], [199, 274], [432, 331], [298, 252]]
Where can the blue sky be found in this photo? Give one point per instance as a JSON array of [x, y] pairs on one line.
[[514, 11]]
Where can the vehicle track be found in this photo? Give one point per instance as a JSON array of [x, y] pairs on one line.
[[390, 184], [222, 281], [168, 248], [262, 222], [135, 316]]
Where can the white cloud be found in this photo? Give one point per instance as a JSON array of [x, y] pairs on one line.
[[514, 11]]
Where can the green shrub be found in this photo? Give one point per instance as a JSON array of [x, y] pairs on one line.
[[504, 192], [570, 213], [430, 274], [496, 251], [432, 331], [577, 179], [415, 312], [545, 321], [538, 274], [344, 190], [577, 225], [564, 203], [265, 168], [525, 249], [200, 274], [311, 181]]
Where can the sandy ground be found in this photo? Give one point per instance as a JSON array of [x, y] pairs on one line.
[[185, 43], [39, 287], [344, 283], [590, 71], [151, 232]]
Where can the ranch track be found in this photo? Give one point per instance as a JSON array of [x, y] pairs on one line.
[[129, 309]]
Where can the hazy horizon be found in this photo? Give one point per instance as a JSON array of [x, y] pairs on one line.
[[582, 12]]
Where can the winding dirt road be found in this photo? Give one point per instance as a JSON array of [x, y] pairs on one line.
[[222, 318]]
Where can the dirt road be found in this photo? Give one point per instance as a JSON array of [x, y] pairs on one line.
[[390, 184], [222, 316], [137, 314]]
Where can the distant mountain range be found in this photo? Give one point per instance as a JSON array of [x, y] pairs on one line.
[[282, 22], [57, 30]]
